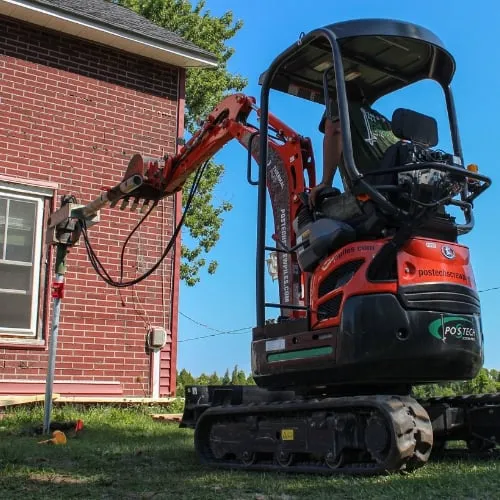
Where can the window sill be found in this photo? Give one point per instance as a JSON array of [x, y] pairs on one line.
[[19, 343]]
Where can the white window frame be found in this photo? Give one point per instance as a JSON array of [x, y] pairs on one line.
[[38, 195]]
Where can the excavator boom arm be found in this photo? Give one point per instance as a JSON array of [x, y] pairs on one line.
[[290, 157]]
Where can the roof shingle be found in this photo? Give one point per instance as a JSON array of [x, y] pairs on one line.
[[107, 13]]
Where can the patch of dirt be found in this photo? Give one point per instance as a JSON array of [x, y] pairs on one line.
[[260, 496], [58, 478]]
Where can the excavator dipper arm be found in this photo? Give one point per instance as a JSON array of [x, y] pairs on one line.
[[290, 157]]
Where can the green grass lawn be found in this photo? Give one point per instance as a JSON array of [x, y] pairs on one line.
[[125, 454]]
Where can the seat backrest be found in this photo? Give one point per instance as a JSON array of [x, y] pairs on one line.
[[411, 126]]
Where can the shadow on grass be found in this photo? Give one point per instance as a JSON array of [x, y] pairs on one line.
[[198, 483], [124, 455]]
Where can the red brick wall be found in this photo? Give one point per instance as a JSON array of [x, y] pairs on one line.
[[73, 113]]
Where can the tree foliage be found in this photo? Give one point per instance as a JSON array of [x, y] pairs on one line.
[[204, 89], [236, 377], [487, 381]]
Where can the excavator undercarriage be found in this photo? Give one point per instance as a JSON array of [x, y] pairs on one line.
[[246, 427], [354, 435]]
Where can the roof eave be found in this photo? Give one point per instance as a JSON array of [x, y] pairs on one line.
[[120, 39]]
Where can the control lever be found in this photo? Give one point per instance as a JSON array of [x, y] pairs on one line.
[[285, 248]]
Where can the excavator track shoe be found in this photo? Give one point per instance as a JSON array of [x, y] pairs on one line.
[[361, 435]]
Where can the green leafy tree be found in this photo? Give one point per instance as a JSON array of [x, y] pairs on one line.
[[483, 383], [242, 378], [184, 378], [226, 379], [204, 89], [234, 375], [214, 379], [238, 377]]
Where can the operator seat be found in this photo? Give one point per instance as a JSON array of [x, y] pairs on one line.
[[410, 127]]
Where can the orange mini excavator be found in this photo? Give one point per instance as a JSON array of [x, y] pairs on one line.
[[376, 294]]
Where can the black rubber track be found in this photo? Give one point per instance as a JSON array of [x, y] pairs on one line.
[[405, 420]]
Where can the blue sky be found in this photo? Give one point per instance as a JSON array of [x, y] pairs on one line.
[[226, 301]]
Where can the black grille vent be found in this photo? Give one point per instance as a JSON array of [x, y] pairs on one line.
[[441, 297], [330, 308], [339, 277], [304, 217]]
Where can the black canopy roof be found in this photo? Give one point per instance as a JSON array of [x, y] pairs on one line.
[[381, 55]]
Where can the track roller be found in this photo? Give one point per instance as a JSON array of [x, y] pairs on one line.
[[352, 435]]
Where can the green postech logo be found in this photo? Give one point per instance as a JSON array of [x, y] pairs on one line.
[[455, 327]]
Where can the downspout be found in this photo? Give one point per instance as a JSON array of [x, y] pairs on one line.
[[174, 314]]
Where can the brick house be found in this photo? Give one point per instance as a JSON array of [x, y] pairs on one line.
[[85, 84]]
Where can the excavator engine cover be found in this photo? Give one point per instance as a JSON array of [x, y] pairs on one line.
[[422, 325]]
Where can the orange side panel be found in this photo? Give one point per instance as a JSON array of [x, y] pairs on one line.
[[433, 261]]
